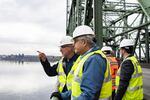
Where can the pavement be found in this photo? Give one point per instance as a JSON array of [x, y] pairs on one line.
[[146, 86]]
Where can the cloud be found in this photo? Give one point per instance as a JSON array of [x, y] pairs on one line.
[[37, 11], [26, 32], [25, 36], [31, 23]]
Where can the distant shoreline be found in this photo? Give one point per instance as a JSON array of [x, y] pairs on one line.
[[26, 58]]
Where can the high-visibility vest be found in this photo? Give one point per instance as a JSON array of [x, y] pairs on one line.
[[114, 68], [106, 90], [135, 87], [62, 78]]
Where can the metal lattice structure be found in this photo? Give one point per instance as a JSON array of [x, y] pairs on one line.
[[112, 21]]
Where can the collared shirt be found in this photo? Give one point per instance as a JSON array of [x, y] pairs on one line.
[[86, 53], [69, 63]]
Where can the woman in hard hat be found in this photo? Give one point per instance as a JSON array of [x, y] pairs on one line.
[[64, 68], [129, 79], [92, 80]]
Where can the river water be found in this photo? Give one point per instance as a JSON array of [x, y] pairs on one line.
[[24, 81]]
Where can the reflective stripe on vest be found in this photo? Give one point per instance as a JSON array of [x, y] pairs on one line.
[[135, 87], [63, 80], [114, 68], [107, 84], [108, 98]]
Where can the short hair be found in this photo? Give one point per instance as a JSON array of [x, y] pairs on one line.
[[91, 40], [107, 52], [128, 49]]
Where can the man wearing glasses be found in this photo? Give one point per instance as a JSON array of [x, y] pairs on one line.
[[64, 68]]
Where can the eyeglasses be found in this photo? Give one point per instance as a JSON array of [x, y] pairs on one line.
[[64, 46]]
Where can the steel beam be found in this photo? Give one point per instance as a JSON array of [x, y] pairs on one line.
[[121, 34], [98, 26]]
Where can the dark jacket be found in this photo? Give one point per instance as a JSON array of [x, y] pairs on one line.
[[52, 71], [126, 72]]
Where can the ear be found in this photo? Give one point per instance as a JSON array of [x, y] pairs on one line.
[[84, 42]]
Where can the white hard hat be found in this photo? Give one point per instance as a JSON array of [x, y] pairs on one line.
[[106, 48], [82, 30], [126, 43], [66, 40]]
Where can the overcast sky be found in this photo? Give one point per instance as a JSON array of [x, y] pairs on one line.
[[30, 25]]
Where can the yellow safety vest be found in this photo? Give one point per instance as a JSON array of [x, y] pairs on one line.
[[106, 90], [62, 78], [135, 87]]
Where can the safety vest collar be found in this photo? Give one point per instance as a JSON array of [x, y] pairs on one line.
[[108, 98]]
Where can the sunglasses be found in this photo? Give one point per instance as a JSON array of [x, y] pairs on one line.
[[64, 46]]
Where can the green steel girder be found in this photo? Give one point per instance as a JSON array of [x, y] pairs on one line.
[[137, 10], [98, 21], [126, 32], [138, 34], [71, 21], [111, 18], [88, 12]]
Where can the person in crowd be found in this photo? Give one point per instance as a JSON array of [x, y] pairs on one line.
[[114, 65], [64, 69], [92, 78], [129, 80]]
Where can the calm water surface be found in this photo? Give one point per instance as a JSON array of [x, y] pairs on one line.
[[24, 81]]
